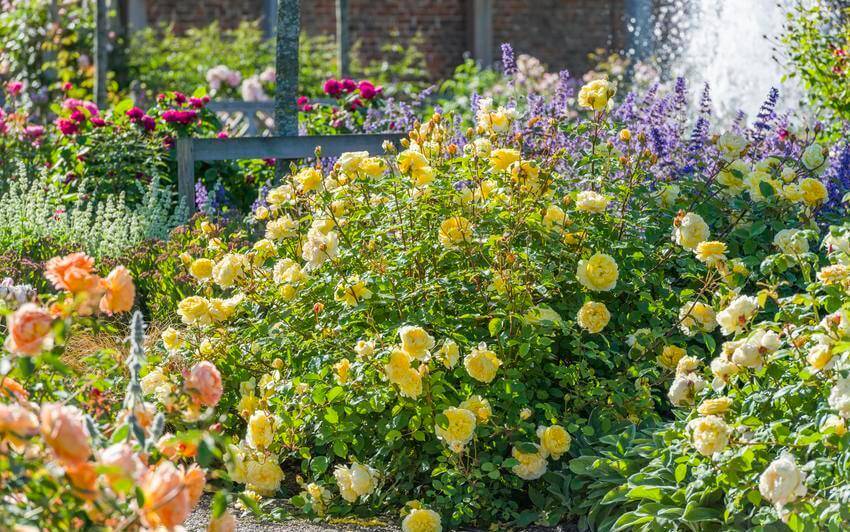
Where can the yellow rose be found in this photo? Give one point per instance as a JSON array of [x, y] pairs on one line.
[[415, 341], [260, 433], [502, 158], [280, 228], [696, 316], [308, 179], [280, 195], [265, 248], [223, 309], [410, 160], [836, 424], [814, 192], [714, 406], [194, 310], [479, 406], [592, 202], [365, 348], [373, 166], [287, 271], [459, 430], [730, 145], [732, 177], [201, 268], [711, 252], [792, 193], [813, 157], [171, 338], [689, 230], [596, 94], [449, 354], [352, 291], [531, 466], [355, 481], [422, 520], [482, 364], [263, 477], [710, 434], [555, 440], [593, 316], [670, 356], [554, 217], [342, 370], [819, 356], [228, 270], [455, 230], [599, 273]]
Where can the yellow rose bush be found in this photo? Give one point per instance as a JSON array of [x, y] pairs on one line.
[[762, 440]]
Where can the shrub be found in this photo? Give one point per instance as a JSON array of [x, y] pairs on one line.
[[64, 447], [453, 322], [765, 443]]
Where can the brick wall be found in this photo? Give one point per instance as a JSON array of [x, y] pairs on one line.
[[188, 13], [559, 32]]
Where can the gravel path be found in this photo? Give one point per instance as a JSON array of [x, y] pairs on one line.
[[197, 522]]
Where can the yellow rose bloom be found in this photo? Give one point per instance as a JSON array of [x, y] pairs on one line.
[[228, 270], [596, 94], [171, 338], [263, 477], [352, 291], [695, 317], [280, 228], [260, 433], [710, 434], [194, 310], [732, 177], [410, 160], [714, 406], [355, 481], [592, 202], [593, 316], [689, 230], [555, 440], [502, 158], [410, 384], [482, 364], [554, 217], [373, 166], [449, 354], [599, 273], [422, 520], [287, 271], [819, 356], [792, 193], [422, 176], [308, 179], [836, 424], [342, 370], [814, 192], [201, 268], [415, 341], [460, 428], [531, 466], [280, 195], [479, 406], [711, 252], [833, 274], [670, 356], [223, 309], [455, 230]]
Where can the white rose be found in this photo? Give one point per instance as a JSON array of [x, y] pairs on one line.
[[782, 482]]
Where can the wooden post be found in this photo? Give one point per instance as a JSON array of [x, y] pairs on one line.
[[342, 42], [100, 67], [639, 41], [186, 172], [482, 31], [286, 64]]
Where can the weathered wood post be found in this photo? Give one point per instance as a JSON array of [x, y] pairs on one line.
[[100, 68], [482, 31], [186, 172], [342, 41], [286, 65]]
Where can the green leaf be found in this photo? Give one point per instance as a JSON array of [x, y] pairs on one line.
[[652, 493], [219, 504], [319, 465], [681, 472], [340, 448], [697, 514]]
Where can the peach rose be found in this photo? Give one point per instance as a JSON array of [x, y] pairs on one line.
[[121, 463], [63, 429], [9, 387], [83, 477], [224, 523], [120, 291], [171, 447], [170, 494], [17, 422], [204, 383], [29, 330], [72, 273]]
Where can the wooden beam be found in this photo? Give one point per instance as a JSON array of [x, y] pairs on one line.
[[482, 31], [286, 65], [100, 55], [289, 148], [342, 40]]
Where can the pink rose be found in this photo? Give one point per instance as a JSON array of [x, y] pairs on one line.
[[367, 89], [67, 127], [17, 421], [348, 85], [14, 88], [204, 383], [332, 87], [180, 117], [170, 494], [134, 114], [122, 464]]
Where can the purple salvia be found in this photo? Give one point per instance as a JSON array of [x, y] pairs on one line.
[[508, 59]]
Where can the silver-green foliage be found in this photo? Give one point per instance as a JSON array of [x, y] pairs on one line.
[[103, 229]]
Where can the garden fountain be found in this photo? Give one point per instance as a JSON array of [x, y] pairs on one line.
[[730, 44]]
